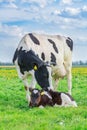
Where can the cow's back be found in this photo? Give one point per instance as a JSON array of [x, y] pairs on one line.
[[47, 44]]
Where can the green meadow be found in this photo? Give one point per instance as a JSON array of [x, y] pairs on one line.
[[16, 115]]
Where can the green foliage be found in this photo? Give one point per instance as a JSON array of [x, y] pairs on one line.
[[16, 115]]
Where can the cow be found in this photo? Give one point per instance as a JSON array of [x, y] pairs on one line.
[[41, 98], [44, 56]]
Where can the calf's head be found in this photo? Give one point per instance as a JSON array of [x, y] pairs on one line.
[[35, 97]]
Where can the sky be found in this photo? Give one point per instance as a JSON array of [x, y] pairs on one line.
[[62, 17]]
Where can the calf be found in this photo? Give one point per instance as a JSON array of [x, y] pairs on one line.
[[50, 98], [44, 56]]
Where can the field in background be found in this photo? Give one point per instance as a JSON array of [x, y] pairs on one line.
[[15, 113]]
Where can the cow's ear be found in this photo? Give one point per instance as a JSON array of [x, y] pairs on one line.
[[30, 89], [36, 66]]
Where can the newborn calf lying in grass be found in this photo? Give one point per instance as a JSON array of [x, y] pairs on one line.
[[41, 98]]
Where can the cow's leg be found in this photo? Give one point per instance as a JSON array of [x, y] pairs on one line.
[[26, 85], [32, 85], [56, 83], [50, 77], [68, 66], [69, 78], [33, 81]]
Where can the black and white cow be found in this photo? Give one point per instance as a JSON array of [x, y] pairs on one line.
[[43, 56]]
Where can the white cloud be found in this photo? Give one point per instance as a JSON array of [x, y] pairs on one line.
[[9, 14], [12, 5], [84, 8], [11, 30], [41, 3], [75, 23], [67, 1], [82, 38], [9, 4], [47, 15], [7, 1], [73, 11], [57, 12]]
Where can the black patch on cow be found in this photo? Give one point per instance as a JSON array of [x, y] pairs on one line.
[[54, 45], [34, 39], [53, 59], [27, 60], [43, 56], [69, 42]]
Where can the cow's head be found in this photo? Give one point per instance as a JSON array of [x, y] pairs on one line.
[[35, 97], [42, 75]]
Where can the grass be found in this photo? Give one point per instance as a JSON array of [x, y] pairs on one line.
[[15, 113]]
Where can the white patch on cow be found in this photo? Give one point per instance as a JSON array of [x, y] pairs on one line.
[[45, 93], [35, 91], [66, 101]]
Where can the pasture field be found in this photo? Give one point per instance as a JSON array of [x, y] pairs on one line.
[[16, 115]]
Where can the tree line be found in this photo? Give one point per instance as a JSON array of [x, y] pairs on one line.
[[6, 64], [75, 63], [79, 63]]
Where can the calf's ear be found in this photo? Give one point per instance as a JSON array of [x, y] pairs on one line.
[[30, 89]]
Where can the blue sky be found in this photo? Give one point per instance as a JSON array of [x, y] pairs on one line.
[[63, 17]]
